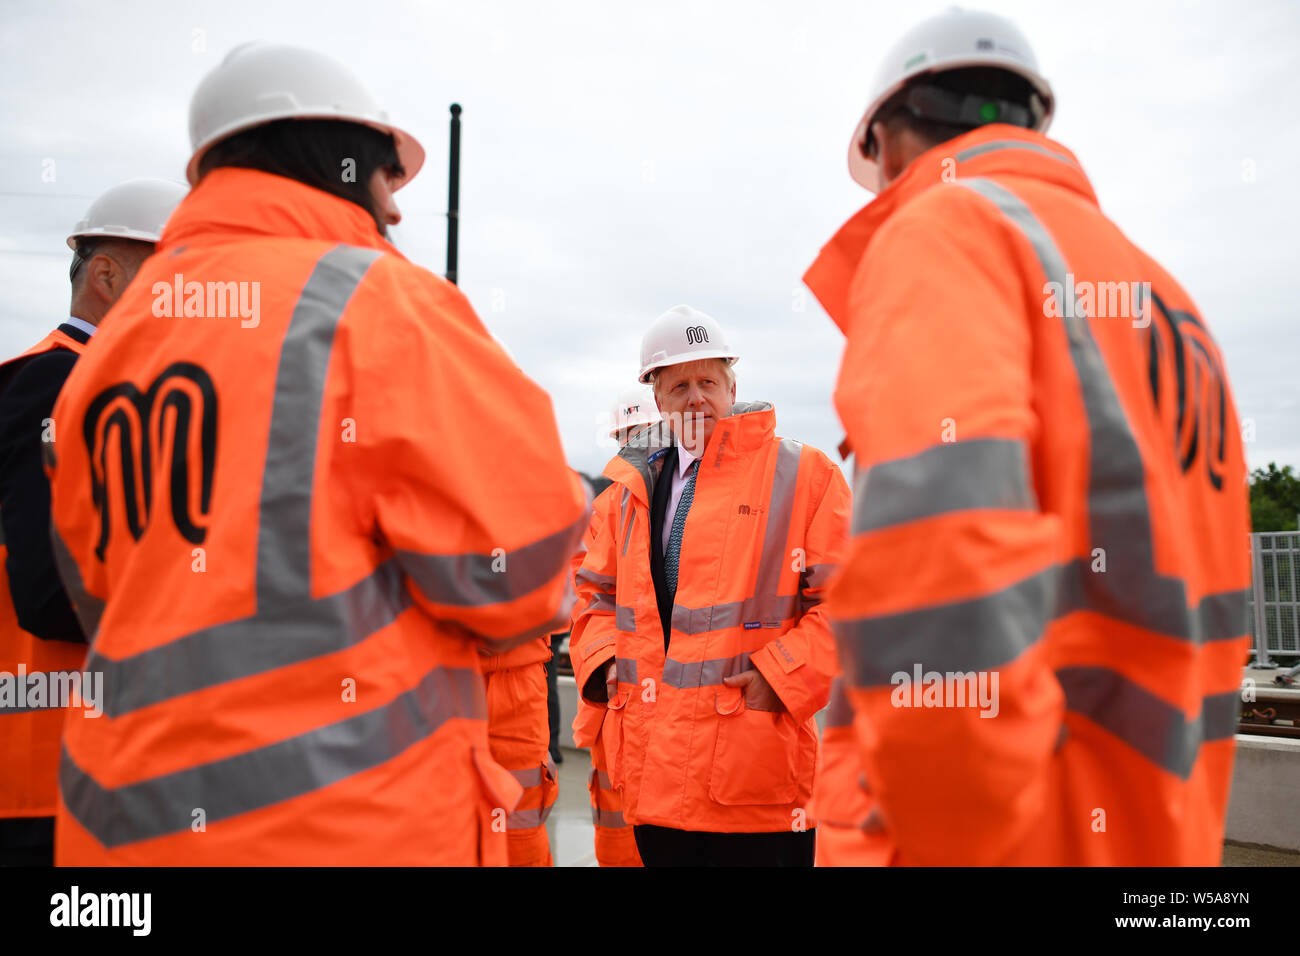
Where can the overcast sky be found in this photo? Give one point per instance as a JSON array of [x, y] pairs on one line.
[[622, 158]]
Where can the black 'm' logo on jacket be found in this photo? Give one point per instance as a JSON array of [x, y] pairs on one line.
[[1199, 377], [144, 427]]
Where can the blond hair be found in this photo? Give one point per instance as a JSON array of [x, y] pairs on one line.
[[728, 372]]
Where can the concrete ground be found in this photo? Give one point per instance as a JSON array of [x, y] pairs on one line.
[[1248, 854], [569, 825]]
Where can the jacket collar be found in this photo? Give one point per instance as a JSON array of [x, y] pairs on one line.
[[239, 203], [77, 329], [637, 466], [994, 150]]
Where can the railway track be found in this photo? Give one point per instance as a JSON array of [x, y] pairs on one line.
[[1275, 712]]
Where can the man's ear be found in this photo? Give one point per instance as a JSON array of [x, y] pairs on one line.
[[104, 277]]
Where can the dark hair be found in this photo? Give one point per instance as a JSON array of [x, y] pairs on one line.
[[900, 111], [312, 151]]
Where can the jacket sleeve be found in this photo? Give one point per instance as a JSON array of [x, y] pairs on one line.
[[41, 604], [592, 639], [951, 567], [464, 467], [801, 663]]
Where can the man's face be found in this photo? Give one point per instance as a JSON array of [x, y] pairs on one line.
[[693, 396]]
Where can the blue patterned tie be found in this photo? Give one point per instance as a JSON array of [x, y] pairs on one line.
[[679, 522]]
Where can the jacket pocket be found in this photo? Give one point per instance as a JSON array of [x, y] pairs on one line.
[[611, 738], [754, 756]]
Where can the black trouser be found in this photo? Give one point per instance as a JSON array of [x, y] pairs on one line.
[[662, 846], [553, 702], [27, 841]]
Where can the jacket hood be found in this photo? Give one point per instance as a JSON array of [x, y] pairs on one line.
[[748, 427], [994, 150], [242, 203]]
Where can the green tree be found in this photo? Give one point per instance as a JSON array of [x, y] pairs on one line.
[[1274, 498]]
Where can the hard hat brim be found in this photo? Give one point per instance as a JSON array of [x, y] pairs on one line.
[[731, 357], [107, 232]]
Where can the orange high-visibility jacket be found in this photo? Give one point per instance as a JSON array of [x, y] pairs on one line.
[[589, 718], [289, 531], [763, 535], [1051, 494], [613, 838], [849, 832], [29, 735], [519, 732], [519, 735]]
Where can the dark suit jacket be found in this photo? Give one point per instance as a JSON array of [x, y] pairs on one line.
[[28, 390]]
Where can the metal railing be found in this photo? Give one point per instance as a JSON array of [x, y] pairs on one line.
[[1275, 595]]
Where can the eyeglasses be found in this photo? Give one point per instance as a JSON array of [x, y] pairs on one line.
[[80, 256]]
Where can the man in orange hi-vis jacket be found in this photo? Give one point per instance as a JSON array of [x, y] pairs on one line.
[[615, 842], [519, 735], [701, 621], [40, 638], [1041, 621], [286, 488]]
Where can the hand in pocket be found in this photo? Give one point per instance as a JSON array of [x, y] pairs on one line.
[[758, 692]]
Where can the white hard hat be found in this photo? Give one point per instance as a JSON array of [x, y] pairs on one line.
[[635, 406], [952, 40], [262, 82], [136, 209], [682, 334]]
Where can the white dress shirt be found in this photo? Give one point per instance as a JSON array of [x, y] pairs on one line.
[[684, 459], [82, 324]]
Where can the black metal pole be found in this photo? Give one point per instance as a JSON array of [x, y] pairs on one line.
[[453, 195]]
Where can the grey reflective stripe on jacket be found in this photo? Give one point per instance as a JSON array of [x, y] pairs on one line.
[[765, 605], [996, 628], [304, 627], [609, 819], [983, 148], [1151, 726], [475, 580], [688, 674], [257, 778], [951, 476]]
